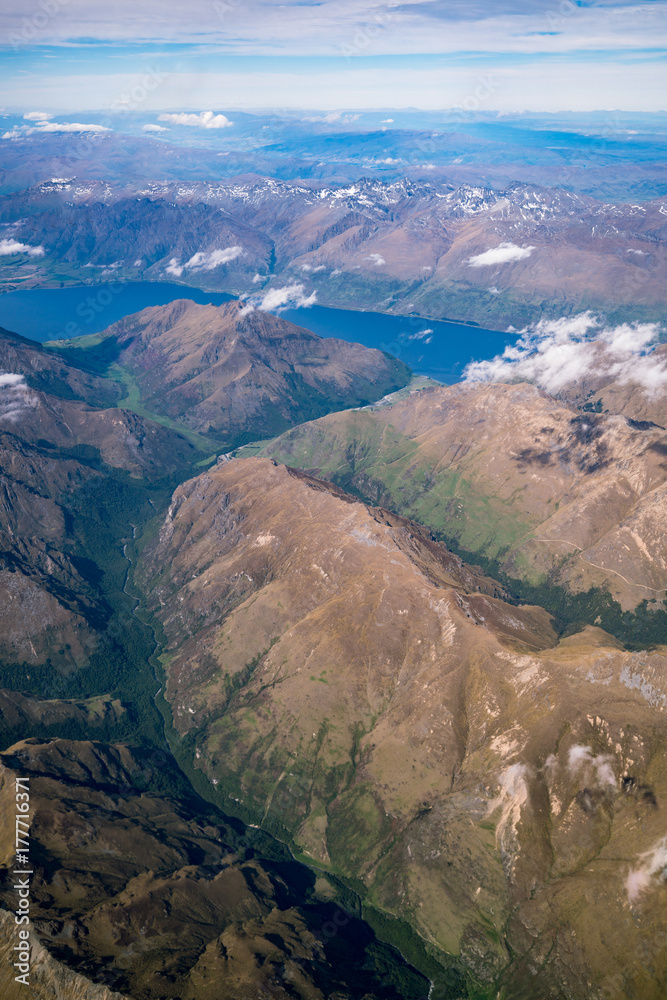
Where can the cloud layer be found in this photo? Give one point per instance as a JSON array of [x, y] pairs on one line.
[[556, 353]]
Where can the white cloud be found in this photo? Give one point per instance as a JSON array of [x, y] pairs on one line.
[[512, 797], [154, 128], [15, 397], [256, 279], [387, 121], [205, 119], [37, 116], [377, 258], [502, 254], [9, 247], [425, 335], [173, 267], [44, 126], [214, 258], [71, 127], [556, 353], [291, 296], [654, 862], [313, 270], [204, 260], [598, 768]]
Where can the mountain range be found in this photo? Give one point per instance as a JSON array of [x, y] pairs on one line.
[[492, 256], [547, 495], [329, 683], [344, 682]]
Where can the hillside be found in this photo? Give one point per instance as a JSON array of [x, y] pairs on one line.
[[234, 373], [140, 891], [492, 254], [406, 729], [548, 494]]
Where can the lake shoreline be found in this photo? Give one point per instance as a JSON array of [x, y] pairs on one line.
[[438, 349]]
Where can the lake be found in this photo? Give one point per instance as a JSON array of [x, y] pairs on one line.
[[430, 347]]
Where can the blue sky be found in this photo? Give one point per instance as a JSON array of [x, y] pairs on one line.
[[510, 55]]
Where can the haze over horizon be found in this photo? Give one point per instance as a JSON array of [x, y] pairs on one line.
[[580, 56]]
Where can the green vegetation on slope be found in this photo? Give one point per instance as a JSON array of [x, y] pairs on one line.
[[381, 466]]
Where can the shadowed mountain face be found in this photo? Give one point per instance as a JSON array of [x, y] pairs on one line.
[[49, 402], [140, 893], [61, 462], [349, 685], [47, 372], [552, 495], [235, 374]]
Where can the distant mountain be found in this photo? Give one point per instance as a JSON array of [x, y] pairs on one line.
[[551, 496], [237, 374], [495, 256], [343, 684]]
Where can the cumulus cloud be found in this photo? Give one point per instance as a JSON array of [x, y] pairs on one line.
[[502, 254], [314, 270], [377, 259], [653, 862], [556, 353], [214, 258], [173, 267], [9, 247], [37, 116], [425, 335], [599, 769], [15, 397], [205, 119], [204, 260], [291, 296], [154, 128]]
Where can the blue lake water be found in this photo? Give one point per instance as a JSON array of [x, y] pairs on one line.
[[429, 347]]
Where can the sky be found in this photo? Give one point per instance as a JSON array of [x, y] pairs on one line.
[[159, 55]]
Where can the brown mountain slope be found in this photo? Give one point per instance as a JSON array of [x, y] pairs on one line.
[[46, 371], [44, 399], [139, 894], [235, 374], [512, 474], [497, 794], [49, 610]]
